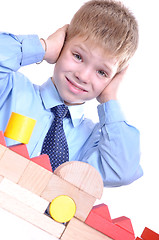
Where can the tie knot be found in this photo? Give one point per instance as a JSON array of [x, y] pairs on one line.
[[60, 111]]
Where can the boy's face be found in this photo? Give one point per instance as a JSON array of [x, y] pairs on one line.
[[82, 71]]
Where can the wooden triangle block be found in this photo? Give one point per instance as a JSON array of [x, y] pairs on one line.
[[108, 228], [124, 223], [149, 234], [2, 139], [43, 160], [21, 149], [103, 211]]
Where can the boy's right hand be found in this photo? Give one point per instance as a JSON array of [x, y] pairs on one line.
[[54, 44]]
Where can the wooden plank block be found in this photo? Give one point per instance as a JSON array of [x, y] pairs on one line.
[[83, 176], [23, 195], [14, 227], [2, 150], [57, 186], [35, 178], [12, 165], [31, 215], [77, 230]]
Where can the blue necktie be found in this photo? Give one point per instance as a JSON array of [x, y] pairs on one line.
[[55, 144]]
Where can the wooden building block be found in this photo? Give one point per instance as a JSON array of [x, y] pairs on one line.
[[35, 178], [57, 186], [83, 176], [102, 210], [2, 139], [77, 230], [108, 228], [124, 223], [21, 149], [43, 160], [148, 234], [23, 195], [32, 216], [12, 165], [138, 238], [2, 150]]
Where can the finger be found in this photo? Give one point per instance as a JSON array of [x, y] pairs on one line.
[[120, 75], [64, 28]]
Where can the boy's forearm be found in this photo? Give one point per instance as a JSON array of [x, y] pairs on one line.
[[17, 51], [116, 154]]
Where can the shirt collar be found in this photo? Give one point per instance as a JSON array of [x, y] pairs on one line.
[[51, 98]]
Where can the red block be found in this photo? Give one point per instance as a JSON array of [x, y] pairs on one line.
[[138, 238], [103, 211], [21, 149], [43, 160], [2, 139], [149, 234], [107, 227], [124, 223]]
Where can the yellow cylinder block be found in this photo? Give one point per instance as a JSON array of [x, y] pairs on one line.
[[19, 128], [62, 209]]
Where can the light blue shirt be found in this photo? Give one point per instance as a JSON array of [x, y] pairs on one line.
[[111, 146]]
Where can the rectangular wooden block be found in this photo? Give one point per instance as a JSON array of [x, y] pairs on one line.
[[77, 230], [23, 195], [32, 216], [35, 178], [12, 165], [57, 186]]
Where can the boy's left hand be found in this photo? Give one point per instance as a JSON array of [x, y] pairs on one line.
[[55, 44], [110, 92]]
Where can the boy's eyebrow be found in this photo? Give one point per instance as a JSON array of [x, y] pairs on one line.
[[81, 47]]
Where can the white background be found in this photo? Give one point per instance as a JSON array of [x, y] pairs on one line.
[[138, 94]]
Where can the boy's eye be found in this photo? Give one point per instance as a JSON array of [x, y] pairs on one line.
[[77, 56], [102, 73]]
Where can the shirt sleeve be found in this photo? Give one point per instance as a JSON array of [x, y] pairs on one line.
[[116, 154], [17, 51]]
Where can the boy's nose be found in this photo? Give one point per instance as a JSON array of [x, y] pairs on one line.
[[83, 75]]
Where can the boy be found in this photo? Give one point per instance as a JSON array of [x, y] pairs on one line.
[[100, 39]]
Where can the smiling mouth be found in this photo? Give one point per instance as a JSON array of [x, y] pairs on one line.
[[75, 86]]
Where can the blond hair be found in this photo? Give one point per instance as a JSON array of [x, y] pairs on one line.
[[109, 24]]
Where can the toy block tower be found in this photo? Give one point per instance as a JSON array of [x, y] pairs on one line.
[[28, 187]]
